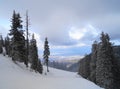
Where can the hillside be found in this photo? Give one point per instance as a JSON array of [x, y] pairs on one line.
[[17, 76], [68, 65]]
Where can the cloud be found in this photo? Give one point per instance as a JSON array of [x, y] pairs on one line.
[[56, 27], [110, 24], [67, 23], [87, 32]]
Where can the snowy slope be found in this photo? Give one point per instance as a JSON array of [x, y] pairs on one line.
[[17, 76]]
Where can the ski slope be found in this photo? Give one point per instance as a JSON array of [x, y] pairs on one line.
[[17, 76]]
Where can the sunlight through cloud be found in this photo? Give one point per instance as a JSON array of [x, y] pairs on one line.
[[80, 33]]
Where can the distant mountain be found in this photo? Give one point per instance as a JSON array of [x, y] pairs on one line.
[[116, 50], [66, 63]]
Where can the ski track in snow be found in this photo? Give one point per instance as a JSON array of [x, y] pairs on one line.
[[17, 76]]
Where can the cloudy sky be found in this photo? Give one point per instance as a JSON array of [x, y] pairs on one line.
[[70, 25]]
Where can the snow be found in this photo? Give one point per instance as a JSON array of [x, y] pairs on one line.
[[17, 76]]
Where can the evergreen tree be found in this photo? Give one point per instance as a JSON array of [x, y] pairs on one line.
[[46, 53], [84, 68], [10, 50], [33, 54], [18, 39], [116, 71], [2, 41], [104, 63], [39, 67], [7, 45], [16, 24], [1, 44], [14, 33], [92, 76]]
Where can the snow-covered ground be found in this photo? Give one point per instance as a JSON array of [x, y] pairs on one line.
[[17, 76]]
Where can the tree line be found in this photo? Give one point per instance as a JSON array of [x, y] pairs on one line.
[[101, 66], [20, 48]]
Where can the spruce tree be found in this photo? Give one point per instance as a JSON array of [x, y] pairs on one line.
[[84, 67], [92, 76], [18, 39], [2, 41], [46, 53], [14, 33], [39, 67], [116, 71], [1, 44], [7, 45], [104, 63], [33, 54]]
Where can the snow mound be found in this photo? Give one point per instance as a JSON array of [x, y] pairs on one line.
[[17, 76]]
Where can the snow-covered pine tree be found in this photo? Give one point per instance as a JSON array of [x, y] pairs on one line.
[[33, 52], [92, 76], [10, 48], [39, 67], [104, 63], [18, 40], [116, 71], [13, 32], [46, 53], [1, 43], [7, 45], [84, 67]]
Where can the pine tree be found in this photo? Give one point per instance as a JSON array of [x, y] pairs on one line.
[[92, 76], [39, 67], [7, 45], [18, 39], [2, 41], [116, 71], [46, 53], [16, 24], [1, 44], [33, 54], [84, 68], [14, 33], [104, 63], [10, 50]]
